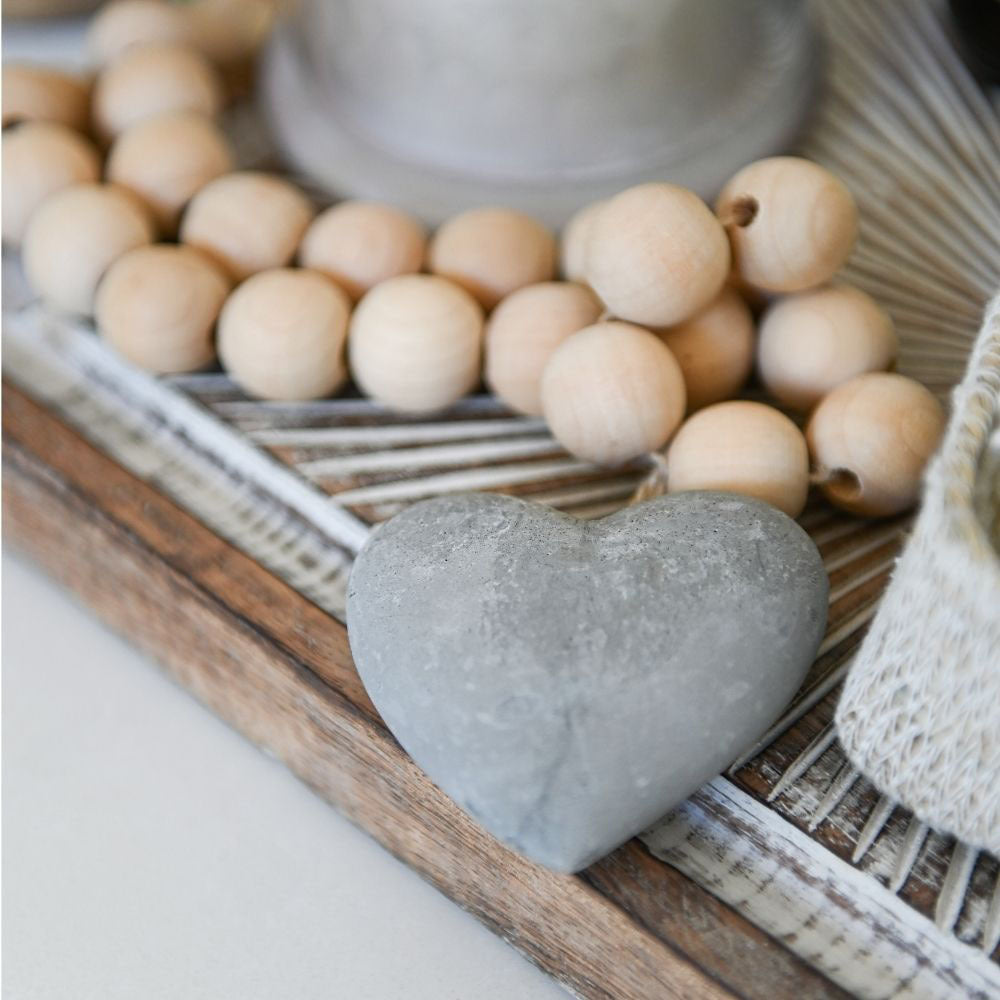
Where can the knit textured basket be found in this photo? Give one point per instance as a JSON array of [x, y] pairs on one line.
[[920, 711]]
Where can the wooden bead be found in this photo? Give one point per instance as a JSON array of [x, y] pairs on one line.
[[282, 334], [147, 80], [34, 93], [74, 236], [492, 252], [40, 158], [415, 343], [157, 306], [656, 255], [611, 392], [361, 243], [524, 330], [814, 341], [791, 223], [714, 349], [741, 447], [167, 159], [870, 440], [229, 31], [574, 240], [120, 25], [247, 221]]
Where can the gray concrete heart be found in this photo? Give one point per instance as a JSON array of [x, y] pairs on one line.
[[567, 682]]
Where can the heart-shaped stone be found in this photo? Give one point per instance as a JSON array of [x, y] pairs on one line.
[[567, 682]]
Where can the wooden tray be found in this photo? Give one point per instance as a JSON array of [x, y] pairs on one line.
[[218, 532]]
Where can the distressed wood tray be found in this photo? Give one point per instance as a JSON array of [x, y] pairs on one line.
[[217, 532]]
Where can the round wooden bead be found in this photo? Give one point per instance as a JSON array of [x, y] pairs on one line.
[[120, 25], [524, 330], [282, 334], [229, 31], [360, 243], [714, 349], [247, 221], [741, 447], [147, 80], [870, 440], [40, 158], [491, 252], [415, 343], [34, 93], [574, 240], [167, 159], [656, 254], [814, 341], [157, 306], [74, 236], [791, 223], [611, 392]]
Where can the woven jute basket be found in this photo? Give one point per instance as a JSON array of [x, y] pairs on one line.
[[920, 710]]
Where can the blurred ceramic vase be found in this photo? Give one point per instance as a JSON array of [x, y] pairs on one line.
[[540, 106]]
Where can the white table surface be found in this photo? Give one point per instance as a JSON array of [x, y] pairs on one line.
[[151, 852]]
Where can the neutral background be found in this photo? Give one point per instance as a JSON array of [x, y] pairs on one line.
[[149, 851]]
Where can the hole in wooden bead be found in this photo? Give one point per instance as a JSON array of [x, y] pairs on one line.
[[843, 484], [743, 211]]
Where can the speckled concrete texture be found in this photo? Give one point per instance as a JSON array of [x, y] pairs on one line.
[[567, 682]]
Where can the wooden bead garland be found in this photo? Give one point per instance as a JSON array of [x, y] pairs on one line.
[[35, 93], [870, 440], [656, 254], [282, 334], [492, 252], [40, 158], [714, 348], [360, 243], [812, 342], [74, 236], [247, 221], [741, 447], [415, 343], [791, 223], [147, 80], [167, 159], [157, 306], [524, 330], [611, 392]]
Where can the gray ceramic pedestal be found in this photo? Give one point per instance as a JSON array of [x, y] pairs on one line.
[[439, 105]]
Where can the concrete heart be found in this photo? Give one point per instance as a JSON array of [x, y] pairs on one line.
[[567, 682]]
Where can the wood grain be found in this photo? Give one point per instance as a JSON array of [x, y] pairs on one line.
[[278, 669]]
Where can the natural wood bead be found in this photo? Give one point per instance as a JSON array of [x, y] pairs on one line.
[[166, 160], [791, 223], [524, 330], [119, 25], [247, 221], [74, 236], [870, 440], [360, 243], [34, 93], [714, 349], [492, 252], [282, 334], [574, 240], [611, 392], [147, 80], [157, 306], [229, 31], [741, 447], [415, 343], [814, 341], [656, 254], [40, 158]]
